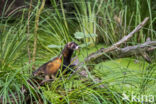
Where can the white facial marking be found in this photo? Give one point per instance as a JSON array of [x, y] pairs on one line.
[[77, 47], [72, 45]]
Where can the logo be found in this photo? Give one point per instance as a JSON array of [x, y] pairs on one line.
[[138, 98]]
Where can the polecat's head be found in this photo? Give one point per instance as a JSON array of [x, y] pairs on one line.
[[68, 49], [72, 46]]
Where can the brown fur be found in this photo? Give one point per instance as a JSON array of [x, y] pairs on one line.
[[52, 67]]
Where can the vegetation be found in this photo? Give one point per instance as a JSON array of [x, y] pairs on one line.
[[93, 24]]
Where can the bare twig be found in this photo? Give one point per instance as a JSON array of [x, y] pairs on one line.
[[28, 32], [45, 81], [138, 48], [15, 10], [35, 32]]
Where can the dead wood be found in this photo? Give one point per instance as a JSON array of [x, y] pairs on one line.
[[103, 51], [137, 50], [117, 44], [115, 52]]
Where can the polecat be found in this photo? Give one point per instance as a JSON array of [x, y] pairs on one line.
[[50, 68]]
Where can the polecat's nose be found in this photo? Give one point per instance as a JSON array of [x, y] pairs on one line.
[[77, 47]]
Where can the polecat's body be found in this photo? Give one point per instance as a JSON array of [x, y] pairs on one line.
[[50, 68]]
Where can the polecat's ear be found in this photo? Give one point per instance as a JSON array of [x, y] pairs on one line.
[[68, 44]]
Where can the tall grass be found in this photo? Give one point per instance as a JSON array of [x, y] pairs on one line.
[[118, 18], [14, 66], [86, 18]]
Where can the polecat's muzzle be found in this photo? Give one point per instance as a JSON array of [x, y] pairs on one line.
[[77, 47]]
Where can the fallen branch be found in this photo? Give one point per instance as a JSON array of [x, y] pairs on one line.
[[118, 52], [103, 51], [131, 50], [35, 33], [114, 46], [139, 50]]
